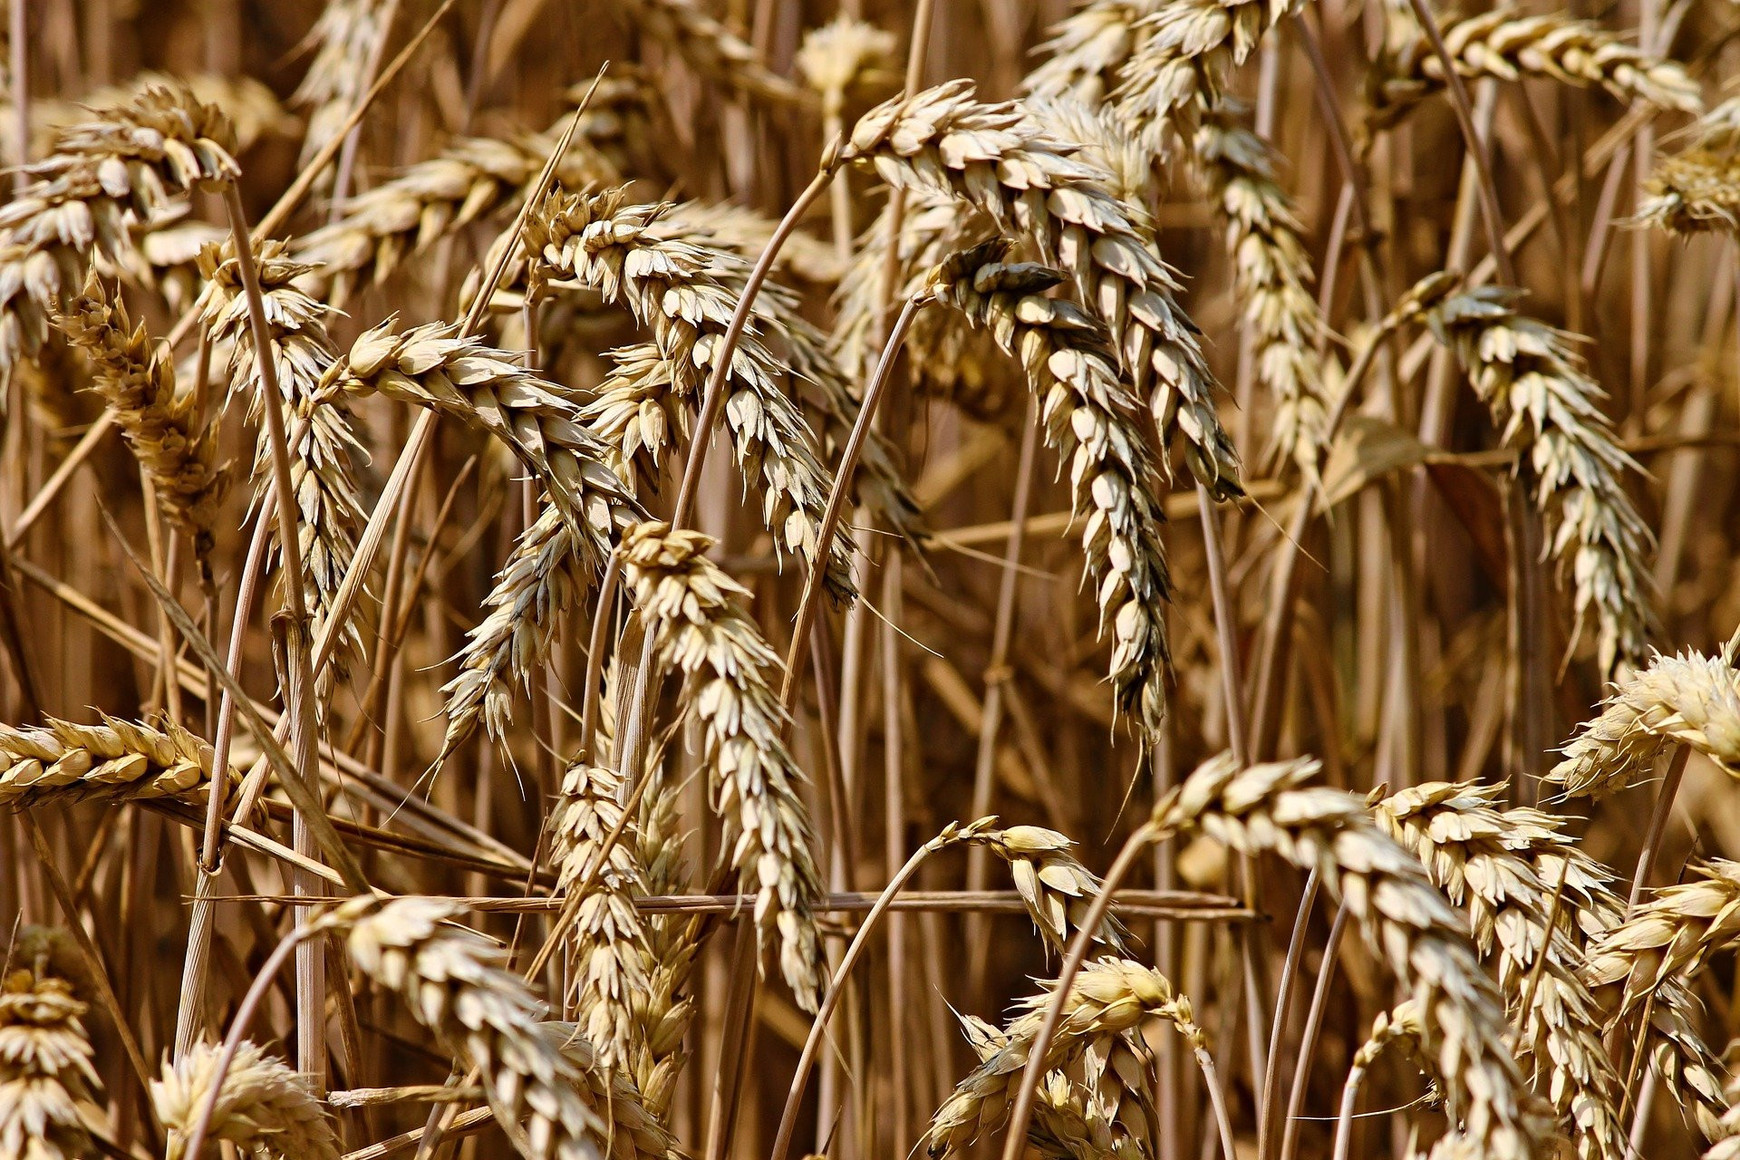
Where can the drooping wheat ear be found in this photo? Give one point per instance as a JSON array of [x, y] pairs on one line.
[[323, 460], [1056, 888], [1089, 416], [1407, 924], [45, 1069], [1087, 48], [1111, 997], [104, 178], [609, 952], [1547, 408], [672, 946], [473, 178], [249, 105], [455, 983], [116, 760], [702, 631], [1001, 161], [686, 292], [709, 48], [344, 39], [1479, 859], [636, 1132], [264, 1106], [1698, 188], [843, 56], [1689, 699], [562, 549], [1507, 45], [1060, 1129], [137, 380]]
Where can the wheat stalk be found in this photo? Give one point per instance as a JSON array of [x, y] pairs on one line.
[[322, 460], [1473, 852], [1690, 699], [262, 1107], [45, 1069], [1089, 415], [115, 760], [692, 609], [1506, 45], [1547, 409], [137, 380], [1002, 162], [104, 180], [1407, 924]]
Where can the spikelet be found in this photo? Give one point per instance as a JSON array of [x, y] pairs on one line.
[[710, 48], [322, 461], [1478, 856], [1690, 699], [104, 178], [1507, 45], [117, 760], [610, 955], [344, 38], [46, 1076], [692, 608], [137, 381], [1001, 161], [675, 286], [1407, 924], [1089, 415], [1547, 408], [430, 366], [263, 1107]]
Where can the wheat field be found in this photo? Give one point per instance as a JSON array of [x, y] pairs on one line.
[[685, 580]]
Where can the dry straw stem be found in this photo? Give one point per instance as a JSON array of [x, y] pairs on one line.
[[1407, 924], [455, 982], [137, 380], [1089, 416], [264, 1107], [105, 178], [46, 1076], [117, 760], [1547, 409], [685, 292], [701, 629], [560, 552], [323, 458], [1689, 699], [1479, 855], [1506, 45], [999, 160], [609, 954], [344, 39]]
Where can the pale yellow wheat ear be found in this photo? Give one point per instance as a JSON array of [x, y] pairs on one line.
[[249, 105], [1547, 409], [1689, 699], [343, 40], [137, 379], [1087, 48], [323, 460], [1507, 44], [1089, 415], [1406, 922], [997, 159], [709, 47], [1698, 188], [843, 56], [702, 629], [1479, 857], [46, 1073], [264, 1107], [115, 760], [636, 1131], [103, 178]]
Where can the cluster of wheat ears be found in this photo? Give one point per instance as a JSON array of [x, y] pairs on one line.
[[597, 581]]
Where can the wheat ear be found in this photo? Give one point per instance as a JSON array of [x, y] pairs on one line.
[[249, 105], [103, 178], [46, 1072], [692, 608], [1690, 699], [115, 760], [672, 947], [264, 1106], [1473, 852], [1089, 416], [999, 160], [323, 459], [709, 47], [344, 38], [1407, 924], [1547, 407], [1698, 188]]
